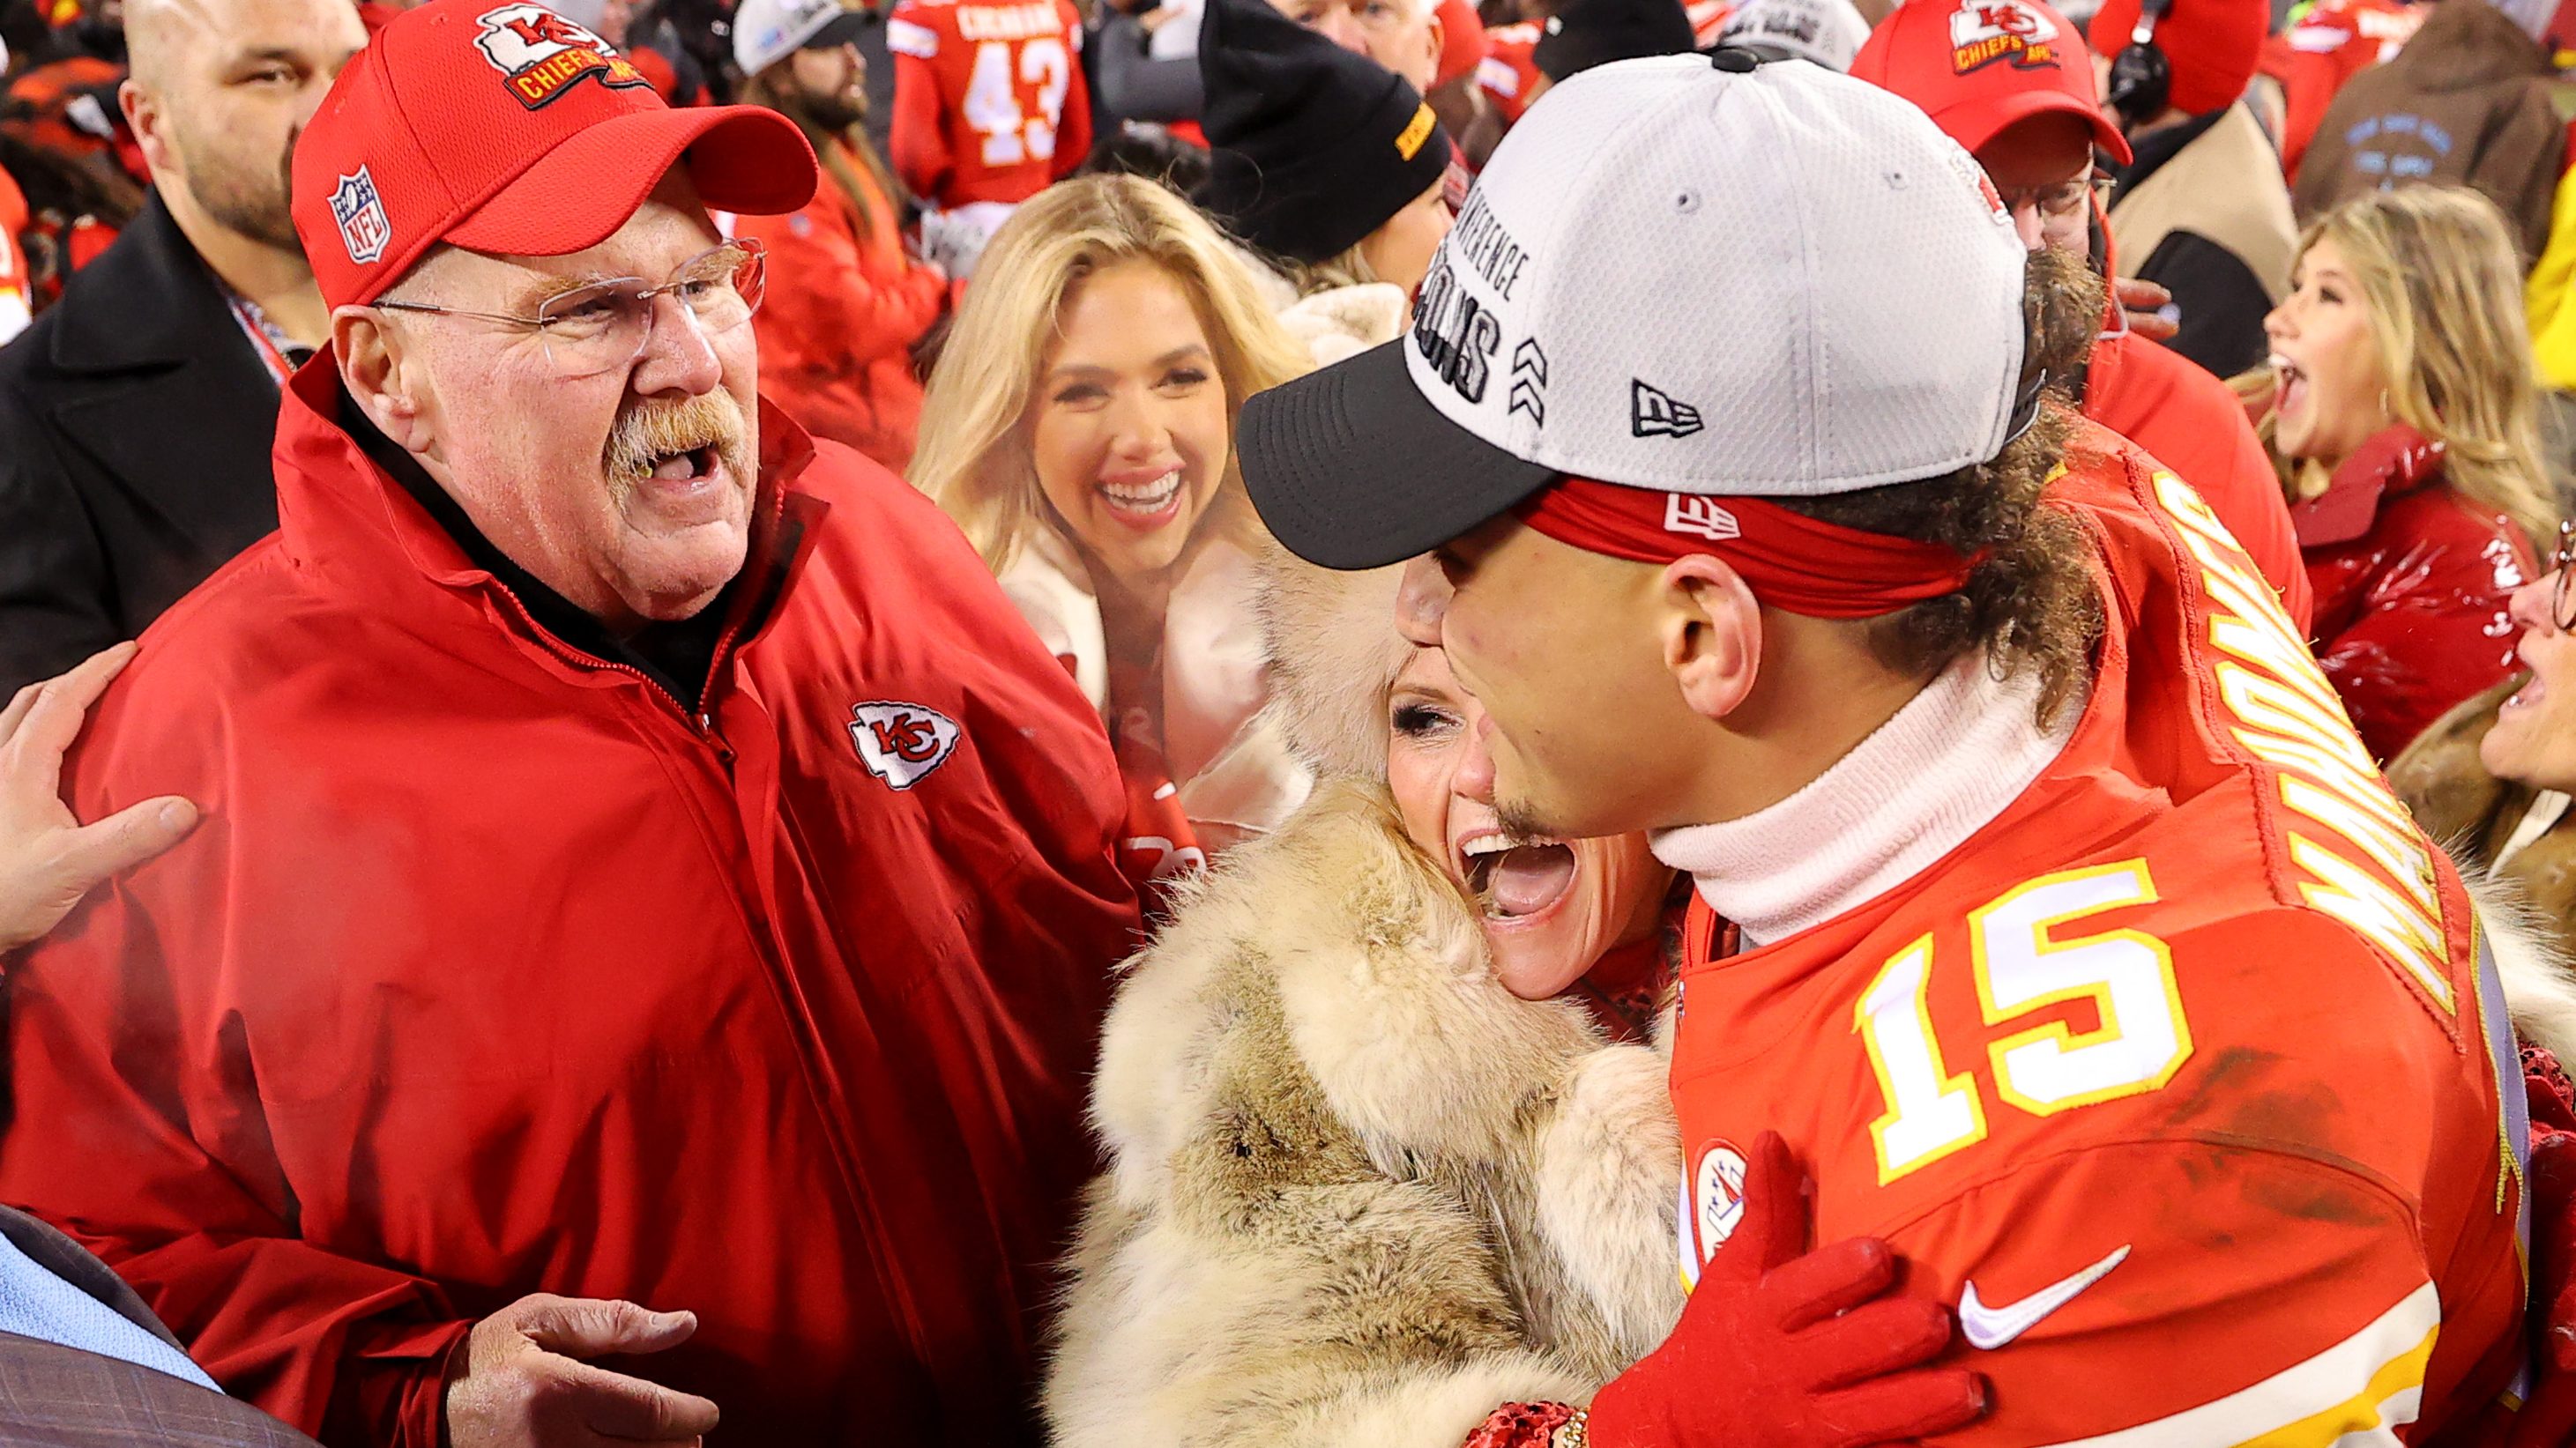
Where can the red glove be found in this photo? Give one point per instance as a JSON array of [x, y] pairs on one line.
[[1785, 1348]]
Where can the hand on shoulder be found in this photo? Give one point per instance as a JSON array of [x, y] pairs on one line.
[[49, 860]]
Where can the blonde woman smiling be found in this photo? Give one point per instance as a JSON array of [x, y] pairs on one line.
[[1080, 429]]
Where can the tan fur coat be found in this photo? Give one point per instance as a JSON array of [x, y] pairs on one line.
[[1361, 1195]]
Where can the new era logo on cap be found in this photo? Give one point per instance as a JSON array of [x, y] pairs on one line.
[[1655, 413], [543, 54], [361, 215], [1699, 516]]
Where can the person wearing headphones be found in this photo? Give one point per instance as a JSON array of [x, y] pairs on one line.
[[2201, 208]]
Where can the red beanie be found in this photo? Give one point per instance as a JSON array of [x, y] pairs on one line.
[[2213, 45]]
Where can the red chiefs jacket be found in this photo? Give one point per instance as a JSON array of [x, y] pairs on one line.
[[845, 305], [494, 970], [2411, 580]]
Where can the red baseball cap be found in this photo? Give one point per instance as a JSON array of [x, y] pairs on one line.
[[1978, 66], [500, 126], [2213, 46]]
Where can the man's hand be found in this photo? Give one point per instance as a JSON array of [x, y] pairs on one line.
[[2150, 309], [1785, 1348], [521, 1384], [49, 860]]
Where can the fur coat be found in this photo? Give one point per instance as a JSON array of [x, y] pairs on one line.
[[2526, 899], [1360, 1195]]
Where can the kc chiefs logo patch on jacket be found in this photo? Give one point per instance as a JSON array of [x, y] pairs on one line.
[[901, 743], [543, 54]]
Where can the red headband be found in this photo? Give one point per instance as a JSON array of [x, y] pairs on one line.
[[1821, 570]]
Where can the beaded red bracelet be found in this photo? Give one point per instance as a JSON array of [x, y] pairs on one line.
[[1527, 1425]]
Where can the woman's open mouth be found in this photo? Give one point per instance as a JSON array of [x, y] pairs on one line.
[[1144, 505], [2531, 692], [2290, 385], [1515, 880]]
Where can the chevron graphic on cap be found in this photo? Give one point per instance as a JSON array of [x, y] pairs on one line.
[[1529, 381], [1653, 412]]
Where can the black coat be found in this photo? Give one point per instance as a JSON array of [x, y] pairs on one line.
[[53, 1396], [135, 422]]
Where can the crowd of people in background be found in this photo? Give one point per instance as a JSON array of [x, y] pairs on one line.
[[732, 704]]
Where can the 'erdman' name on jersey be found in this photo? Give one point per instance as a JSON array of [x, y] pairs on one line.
[[2177, 1078]]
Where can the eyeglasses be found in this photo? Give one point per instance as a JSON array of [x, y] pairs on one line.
[[2562, 564], [605, 325], [2061, 202]]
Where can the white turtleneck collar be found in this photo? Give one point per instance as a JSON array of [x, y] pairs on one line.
[[1932, 775]]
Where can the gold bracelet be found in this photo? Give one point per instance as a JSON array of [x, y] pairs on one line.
[[1573, 1432]]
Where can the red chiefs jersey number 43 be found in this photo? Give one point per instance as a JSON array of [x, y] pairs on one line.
[[989, 103]]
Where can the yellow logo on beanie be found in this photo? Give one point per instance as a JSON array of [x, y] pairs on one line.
[[1416, 131]]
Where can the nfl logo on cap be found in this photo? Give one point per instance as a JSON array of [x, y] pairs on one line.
[[363, 228]]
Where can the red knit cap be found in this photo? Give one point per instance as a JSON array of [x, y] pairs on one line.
[[2213, 45]]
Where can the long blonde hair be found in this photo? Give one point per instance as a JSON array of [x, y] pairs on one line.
[[2446, 314], [973, 453]]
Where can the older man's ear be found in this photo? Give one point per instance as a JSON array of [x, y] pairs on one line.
[[374, 370]]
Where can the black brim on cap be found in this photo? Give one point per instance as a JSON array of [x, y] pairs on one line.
[[1350, 468], [842, 29]]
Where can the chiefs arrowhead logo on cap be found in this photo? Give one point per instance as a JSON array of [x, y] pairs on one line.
[[543, 54], [1985, 31]]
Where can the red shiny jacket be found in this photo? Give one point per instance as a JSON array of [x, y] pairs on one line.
[[844, 307], [2411, 582], [494, 970]]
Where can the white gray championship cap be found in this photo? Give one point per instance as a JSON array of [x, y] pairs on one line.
[[1693, 274]]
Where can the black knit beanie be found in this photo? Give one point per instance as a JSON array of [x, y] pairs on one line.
[[1312, 146], [1587, 33]]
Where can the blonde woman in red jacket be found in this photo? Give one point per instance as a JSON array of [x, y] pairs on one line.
[[846, 302], [2404, 404]]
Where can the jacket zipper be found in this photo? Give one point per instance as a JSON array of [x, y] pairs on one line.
[[701, 722]]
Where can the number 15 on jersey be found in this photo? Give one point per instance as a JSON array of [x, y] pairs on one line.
[[2021, 966]]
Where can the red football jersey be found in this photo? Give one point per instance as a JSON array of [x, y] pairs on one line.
[[2178, 1080], [989, 100], [1507, 71]]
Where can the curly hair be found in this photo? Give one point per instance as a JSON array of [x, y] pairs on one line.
[[2030, 602]]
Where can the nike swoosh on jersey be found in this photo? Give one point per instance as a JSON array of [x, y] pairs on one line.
[[1989, 1328]]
